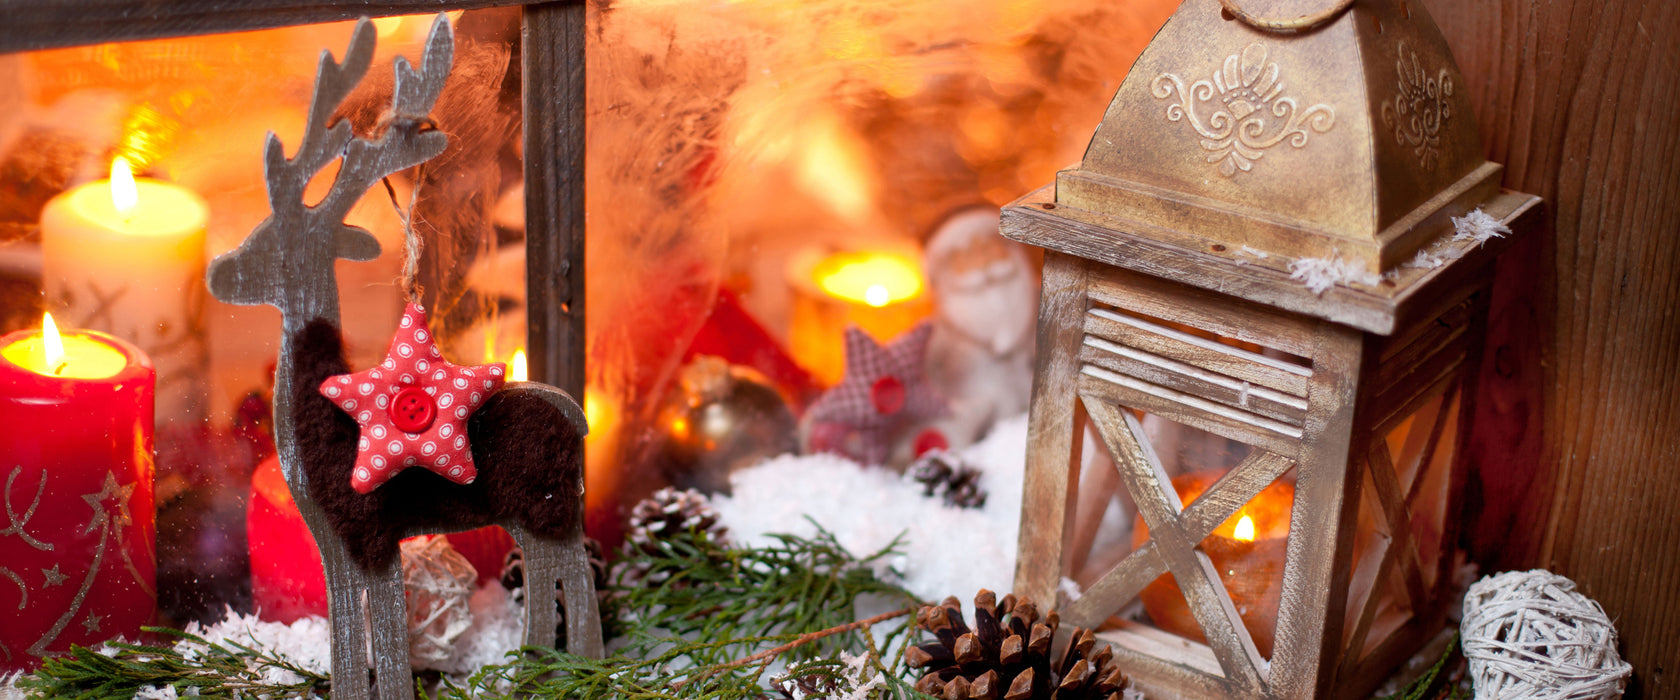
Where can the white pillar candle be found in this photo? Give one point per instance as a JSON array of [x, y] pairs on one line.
[[129, 260]]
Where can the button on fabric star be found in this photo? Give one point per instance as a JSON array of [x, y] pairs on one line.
[[413, 408]]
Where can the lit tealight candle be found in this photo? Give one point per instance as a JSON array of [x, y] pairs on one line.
[[879, 292], [1247, 550], [126, 256], [76, 432]]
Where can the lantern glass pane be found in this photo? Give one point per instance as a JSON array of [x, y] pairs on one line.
[[1245, 547], [1429, 505], [1376, 603]]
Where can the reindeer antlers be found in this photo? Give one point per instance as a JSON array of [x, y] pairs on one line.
[[287, 260]]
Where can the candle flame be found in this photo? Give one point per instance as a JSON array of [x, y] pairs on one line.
[[123, 193], [877, 295], [1245, 529], [517, 370], [52, 345]]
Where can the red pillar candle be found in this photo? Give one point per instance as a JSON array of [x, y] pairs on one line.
[[77, 531]]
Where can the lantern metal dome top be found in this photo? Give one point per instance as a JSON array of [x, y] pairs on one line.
[[1300, 128]]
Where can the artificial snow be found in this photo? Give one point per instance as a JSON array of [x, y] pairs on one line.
[[1320, 274], [945, 550], [498, 627], [306, 642], [1478, 226]]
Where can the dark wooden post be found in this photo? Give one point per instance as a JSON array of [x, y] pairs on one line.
[[553, 55]]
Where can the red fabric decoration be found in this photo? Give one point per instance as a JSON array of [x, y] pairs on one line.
[[930, 440], [413, 408], [883, 391]]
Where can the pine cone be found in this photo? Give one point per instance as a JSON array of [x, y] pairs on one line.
[[670, 512], [1009, 658], [942, 472], [666, 515], [513, 579]]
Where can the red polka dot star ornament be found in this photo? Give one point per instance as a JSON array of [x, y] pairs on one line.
[[413, 407]]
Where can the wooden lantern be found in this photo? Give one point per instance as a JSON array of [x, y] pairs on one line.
[[1253, 140]]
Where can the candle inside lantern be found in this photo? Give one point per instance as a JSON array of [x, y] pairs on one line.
[[77, 554], [879, 292], [1247, 550], [126, 256]]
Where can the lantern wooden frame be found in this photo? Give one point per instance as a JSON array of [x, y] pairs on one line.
[[552, 61], [1376, 357], [1250, 137]]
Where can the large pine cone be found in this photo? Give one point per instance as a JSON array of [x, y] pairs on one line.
[[1007, 655]]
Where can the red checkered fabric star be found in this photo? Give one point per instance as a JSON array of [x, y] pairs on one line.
[[413, 407], [882, 391]]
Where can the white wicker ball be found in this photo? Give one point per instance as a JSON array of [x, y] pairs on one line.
[[1529, 634], [437, 587]]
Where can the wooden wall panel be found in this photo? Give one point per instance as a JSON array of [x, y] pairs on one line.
[[1578, 427]]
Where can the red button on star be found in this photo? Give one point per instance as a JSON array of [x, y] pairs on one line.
[[413, 410]]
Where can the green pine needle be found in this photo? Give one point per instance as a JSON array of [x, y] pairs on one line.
[[227, 670]]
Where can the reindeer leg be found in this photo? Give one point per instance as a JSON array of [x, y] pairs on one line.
[[542, 575], [583, 617], [344, 609], [388, 616]]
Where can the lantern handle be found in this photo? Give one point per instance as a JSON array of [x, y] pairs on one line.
[[1303, 22]]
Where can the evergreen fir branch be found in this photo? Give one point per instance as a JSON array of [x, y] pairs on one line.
[[196, 665], [793, 586]]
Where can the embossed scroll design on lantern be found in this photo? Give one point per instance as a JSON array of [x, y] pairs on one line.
[[1246, 96], [288, 262], [1420, 107]]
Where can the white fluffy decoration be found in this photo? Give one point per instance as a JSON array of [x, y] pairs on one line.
[[1478, 226], [947, 550], [1320, 274], [1530, 634]]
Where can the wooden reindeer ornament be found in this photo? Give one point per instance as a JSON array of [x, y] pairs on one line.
[[526, 439]]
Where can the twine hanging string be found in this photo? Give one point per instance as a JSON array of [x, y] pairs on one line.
[[412, 245]]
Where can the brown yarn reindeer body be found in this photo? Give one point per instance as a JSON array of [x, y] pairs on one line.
[[526, 440]]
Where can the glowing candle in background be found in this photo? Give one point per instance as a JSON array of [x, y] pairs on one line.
[[879, 292], [517, 369], [76, 546], [1247, 550], [126, 256]]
